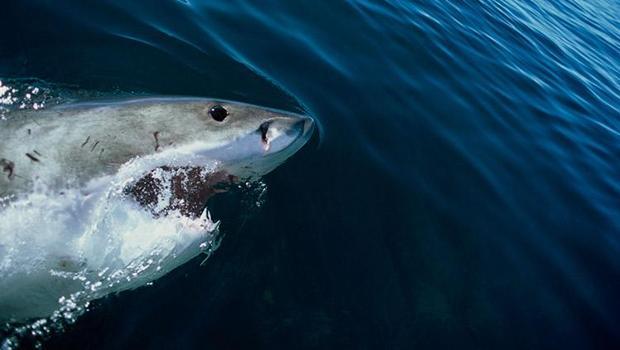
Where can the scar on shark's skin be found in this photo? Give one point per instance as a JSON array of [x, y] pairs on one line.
[[156, 136], [189, 186], [94, 146], [101, 152], [37, 153], [85, 142], [29, 132], [32, 158], [8, 167]]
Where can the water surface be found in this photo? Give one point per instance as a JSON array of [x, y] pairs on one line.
[[463, 192]]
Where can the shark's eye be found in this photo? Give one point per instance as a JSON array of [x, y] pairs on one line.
[[218, 113]]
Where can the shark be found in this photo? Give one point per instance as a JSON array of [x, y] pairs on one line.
[[100, 197]]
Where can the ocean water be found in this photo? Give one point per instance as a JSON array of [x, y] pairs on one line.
[[462, 191]]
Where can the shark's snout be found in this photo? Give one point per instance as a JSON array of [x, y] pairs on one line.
[[279, 134], [306, 124]]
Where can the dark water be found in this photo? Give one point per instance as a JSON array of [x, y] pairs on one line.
[[463, 192]]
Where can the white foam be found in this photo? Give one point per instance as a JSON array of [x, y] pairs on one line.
[[59, 251]]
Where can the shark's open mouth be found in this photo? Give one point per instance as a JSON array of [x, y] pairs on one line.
[[183, 189]]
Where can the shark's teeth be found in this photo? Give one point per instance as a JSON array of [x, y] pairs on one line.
[[211, 228], [216, 225], [206, 221], [204, 224], [206, 215]]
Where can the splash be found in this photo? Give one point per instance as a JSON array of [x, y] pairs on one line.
[[60, 252], [22, 94]]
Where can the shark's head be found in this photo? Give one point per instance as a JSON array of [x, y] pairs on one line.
[[252, 140], [243, 141]]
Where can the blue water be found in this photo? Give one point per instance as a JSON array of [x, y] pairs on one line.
[[464, 191]]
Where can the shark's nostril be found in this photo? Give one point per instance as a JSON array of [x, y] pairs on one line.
[[264, 127]]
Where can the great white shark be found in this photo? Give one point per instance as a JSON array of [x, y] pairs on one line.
[[100, 197]]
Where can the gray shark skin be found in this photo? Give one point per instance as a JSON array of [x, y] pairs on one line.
[[76, 143]]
